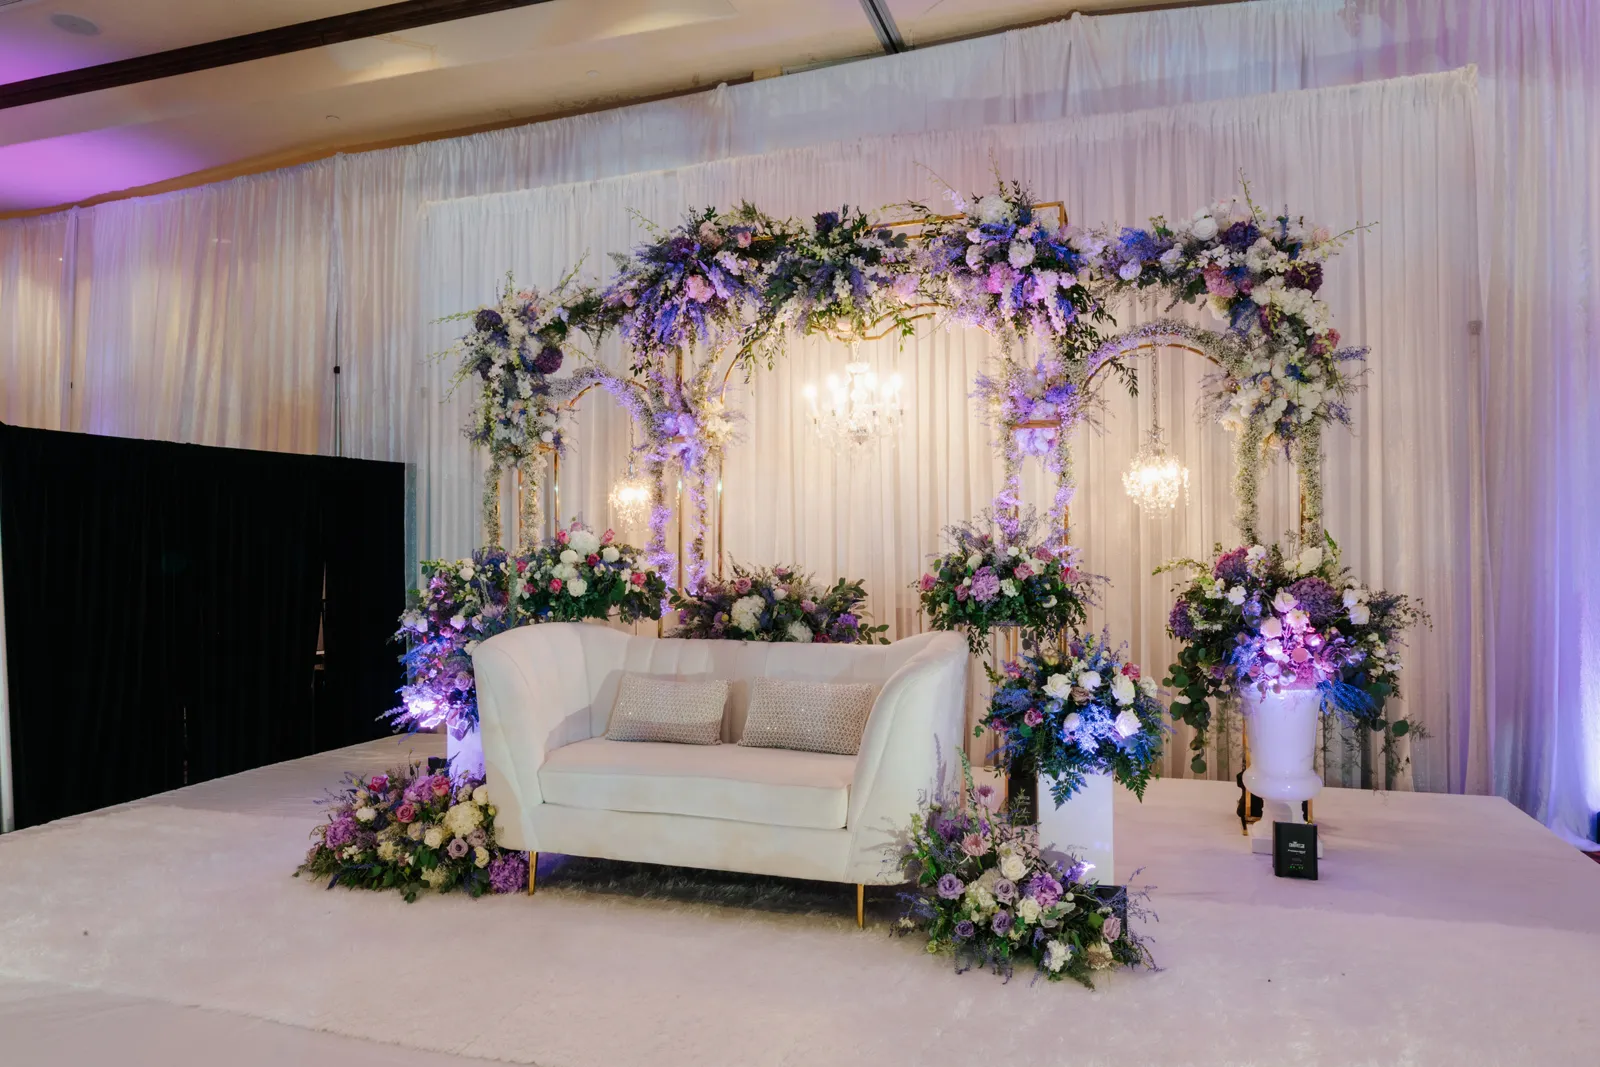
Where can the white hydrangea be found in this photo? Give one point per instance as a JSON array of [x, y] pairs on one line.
[[1056, 954], [583, 542], [463, 818], [746, 613], [799, 631], [610, 554]]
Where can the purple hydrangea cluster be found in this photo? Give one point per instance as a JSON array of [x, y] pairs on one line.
[[508, 872], [1179, 623], [1233, 567], [1320, 600]]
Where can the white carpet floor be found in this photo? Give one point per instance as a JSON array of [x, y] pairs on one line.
[[1446, 930]]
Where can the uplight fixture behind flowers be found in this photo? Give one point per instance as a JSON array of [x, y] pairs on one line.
[[1155, 477], [859, 409]]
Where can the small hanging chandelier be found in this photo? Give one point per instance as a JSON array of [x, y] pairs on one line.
[[1155, 477], [630, 496], [857, 411]]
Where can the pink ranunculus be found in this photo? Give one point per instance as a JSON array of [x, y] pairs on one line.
[[974, 845], [555, 585], [610, 536], [743, 240], [637, 578], [1131, 670], [379, 783], [698, 289], [591, 559], [928, 581], [405, 812], [1031, 717]]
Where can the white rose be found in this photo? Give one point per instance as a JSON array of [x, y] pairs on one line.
[[1090, 680], [584, 542], [1204, 228], [610, 554], [1360, 614], [1236, 595], [1008, 587], [1072, 722], [1147, 686], [1271, 626], [459, 622], [569, 556], [1020, 254], [1013, 867], [480, 795], [1028, 910], [1309, 560], [468, 572], [1123, 690], [799, 631], [779, 592], [1353, 596], [433, 837], [365, 815], [974, 561], [1284, 602], [577, 587], [1058, 687], [480, 856], [1127, 724], [1129, 270]]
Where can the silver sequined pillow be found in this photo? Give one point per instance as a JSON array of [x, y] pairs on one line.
[[654, 708], [808, 716]]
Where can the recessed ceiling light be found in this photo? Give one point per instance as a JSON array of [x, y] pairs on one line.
[[594, 74], [331, 118], [74, 24]]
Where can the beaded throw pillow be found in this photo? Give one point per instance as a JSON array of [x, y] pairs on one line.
[[807, 716], [655, 708]]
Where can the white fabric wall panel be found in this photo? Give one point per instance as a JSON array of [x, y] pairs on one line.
[[36, 291]]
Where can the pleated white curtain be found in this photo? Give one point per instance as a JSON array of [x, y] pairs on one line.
[[1400, 489], [75, 313]]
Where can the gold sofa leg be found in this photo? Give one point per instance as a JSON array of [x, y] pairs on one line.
[[861, 906], [533, 871]]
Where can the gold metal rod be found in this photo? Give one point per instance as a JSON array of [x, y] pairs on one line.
[[861, 906], [533, 871], [720, 553]]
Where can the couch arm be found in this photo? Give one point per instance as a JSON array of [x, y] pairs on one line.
[[913, 737], [533, 696]]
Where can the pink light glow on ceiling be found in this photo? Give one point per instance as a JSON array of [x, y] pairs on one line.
[[61, 170]]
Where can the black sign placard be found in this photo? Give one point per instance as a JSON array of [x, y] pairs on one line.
[[1294, 850]]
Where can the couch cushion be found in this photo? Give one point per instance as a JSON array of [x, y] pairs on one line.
[[757, 785]]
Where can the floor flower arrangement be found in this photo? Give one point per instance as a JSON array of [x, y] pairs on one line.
[[413, 829], [1258, 617], [981, 892], [778, 603]]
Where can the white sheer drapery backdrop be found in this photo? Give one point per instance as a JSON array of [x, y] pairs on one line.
[[1539, 144], [1400, 489]]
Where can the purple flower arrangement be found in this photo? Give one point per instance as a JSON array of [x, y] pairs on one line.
[[1256, 618], [982, 892], [700, 282], [1077, 710], [777, 603], [577, 575], [999, 265], [991, 580], [412, 829]]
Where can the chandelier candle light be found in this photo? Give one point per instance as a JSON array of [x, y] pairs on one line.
[[857, 411], [1155, 476]]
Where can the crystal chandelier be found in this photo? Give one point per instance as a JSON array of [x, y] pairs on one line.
[[630, 496], [858, 410], [1155, 477]]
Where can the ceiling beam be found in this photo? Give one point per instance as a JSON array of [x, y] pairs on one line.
[[352, 26], [877, 12]]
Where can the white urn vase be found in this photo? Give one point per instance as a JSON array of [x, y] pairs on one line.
[[1080, 828], [1281, 734]]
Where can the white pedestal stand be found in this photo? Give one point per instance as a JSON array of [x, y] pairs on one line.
[[1281, 729], [1081, 827], [466, 754]]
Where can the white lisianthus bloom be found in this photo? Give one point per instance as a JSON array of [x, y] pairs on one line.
[[1123, 690], [1360, 614], [576, 587], [779, 592], [1013, 867], [1284, 602], [1309, 560], [1204, 226], [746, 613], [799, 631], [480, 795], [1271, 626], [1020, 254], [610, 554], [1130, 270], [458, 622], [365, 815], [1028, 910], [1255, 553], [1008, 587], [1058, 687], [1171, 258], [1090, 680], [1147, 686], [1072, 722], [569, 556], [1127, 724], [974, 561], [1297, 619], [1056, 953], [1236, 595], [433, 837], [1049, 602], [1353, 596], [583, 542], [626, 574]]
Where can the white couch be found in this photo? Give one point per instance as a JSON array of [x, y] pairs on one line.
[[545, 693]]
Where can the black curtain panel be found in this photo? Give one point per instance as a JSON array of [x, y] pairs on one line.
[[164, 605]]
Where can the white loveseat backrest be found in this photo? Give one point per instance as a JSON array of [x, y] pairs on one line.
[[608, 653]]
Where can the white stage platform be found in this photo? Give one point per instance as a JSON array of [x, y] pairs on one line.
[[1446, 930]]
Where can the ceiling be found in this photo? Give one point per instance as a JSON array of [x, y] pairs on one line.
[[519, 64]]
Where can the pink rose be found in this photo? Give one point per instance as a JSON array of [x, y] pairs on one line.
[[1023, 571], [1131, 670], [637, 578], [591, 559], [405, 812], [379, 783], [555, 585], [609, 537], [522, 566], [1031, 717], [561, 537], [441, 786], [698, 289], [743, 240], [741, 586], [927, 582]]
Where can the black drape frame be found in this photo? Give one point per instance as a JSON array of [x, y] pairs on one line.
[[162, 606]]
